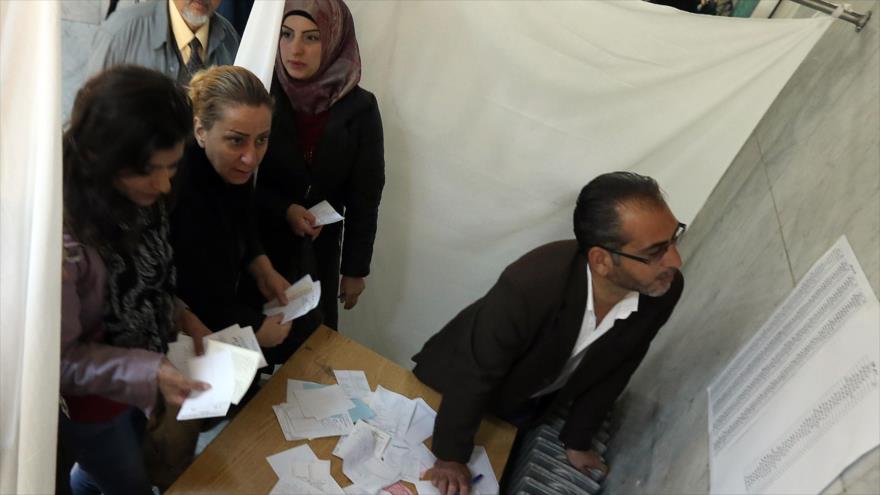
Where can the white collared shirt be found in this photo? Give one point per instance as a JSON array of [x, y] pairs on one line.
[[590, 332], [183, 35]]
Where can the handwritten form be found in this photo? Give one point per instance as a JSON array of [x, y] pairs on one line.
[[379, 444], [800, 401], [302, 297], [245, 362], [216, 369], [325, 214]]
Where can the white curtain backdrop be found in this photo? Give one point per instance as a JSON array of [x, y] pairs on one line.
[[30, 251], [496, 113]]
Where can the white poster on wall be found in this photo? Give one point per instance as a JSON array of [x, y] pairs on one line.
[[800, 402]]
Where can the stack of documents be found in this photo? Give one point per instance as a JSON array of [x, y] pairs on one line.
[[302, 297], [232, 357], [382, 437]]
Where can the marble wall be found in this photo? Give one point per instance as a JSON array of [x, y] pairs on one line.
[[809, 173]]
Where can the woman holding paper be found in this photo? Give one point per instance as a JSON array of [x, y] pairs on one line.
[[326, 145], [213, 227], [120, 151]]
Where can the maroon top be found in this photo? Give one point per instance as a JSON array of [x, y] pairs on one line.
[[309, 129]]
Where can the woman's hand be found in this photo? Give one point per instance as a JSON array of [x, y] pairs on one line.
[[270, 283], [190, 324], [175, 387], [302, 221], [272, 332], [350, 289]]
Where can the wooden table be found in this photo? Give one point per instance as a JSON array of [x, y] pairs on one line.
[[235, 462]]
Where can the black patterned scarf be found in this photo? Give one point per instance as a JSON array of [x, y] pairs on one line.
[[140, 285]]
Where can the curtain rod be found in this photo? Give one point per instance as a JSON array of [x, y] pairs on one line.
[[839, 11]]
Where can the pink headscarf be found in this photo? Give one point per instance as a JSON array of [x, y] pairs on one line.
[[340, 68]]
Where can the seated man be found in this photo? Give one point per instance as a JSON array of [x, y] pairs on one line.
[[176, 37], [566, 324]]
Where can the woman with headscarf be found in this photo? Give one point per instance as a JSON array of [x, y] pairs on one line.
[[326, 144]]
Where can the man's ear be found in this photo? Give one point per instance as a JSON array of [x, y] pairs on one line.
[[600, 260], [199, 131]]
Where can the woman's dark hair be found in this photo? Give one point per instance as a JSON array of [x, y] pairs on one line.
[[596, 216], [120, 118]]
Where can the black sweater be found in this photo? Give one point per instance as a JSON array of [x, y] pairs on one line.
[[214, 235]]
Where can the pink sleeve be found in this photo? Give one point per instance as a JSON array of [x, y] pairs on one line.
[[89, 367]]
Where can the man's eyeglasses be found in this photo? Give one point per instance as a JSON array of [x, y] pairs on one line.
[[657, 252]]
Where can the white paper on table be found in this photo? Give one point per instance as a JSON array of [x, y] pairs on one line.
[[325, 214], [295, 426], [243, 337], [479, 464], [316, 474], [360, 463], [356, 489], [426, 488], [281, 461], [418, 460], [410, 461], [294, 486], [216, 369], [394, 412], [422, 425], [245, 364], [354, 383], [323, 402]]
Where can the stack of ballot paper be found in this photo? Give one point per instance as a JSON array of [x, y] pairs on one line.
[[382, 438], [302, 297], [232, 357], [324, 214]]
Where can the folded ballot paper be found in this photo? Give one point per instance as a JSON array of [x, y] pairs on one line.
[[381, 443], [229, 369], [325, 214], [302, 297]]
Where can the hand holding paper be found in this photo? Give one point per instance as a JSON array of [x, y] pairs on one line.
[[325, 214]]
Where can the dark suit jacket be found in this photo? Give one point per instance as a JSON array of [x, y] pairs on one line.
[[513, 342], [213, 232]]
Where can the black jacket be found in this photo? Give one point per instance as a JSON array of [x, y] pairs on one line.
[[348, 170], [514, 341], [214, 235]]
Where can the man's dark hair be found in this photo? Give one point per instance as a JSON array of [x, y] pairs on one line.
[[596, 218]]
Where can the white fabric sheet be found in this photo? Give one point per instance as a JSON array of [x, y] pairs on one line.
[[30, 250], [496, 113]]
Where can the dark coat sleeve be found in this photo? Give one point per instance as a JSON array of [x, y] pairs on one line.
[[499, 333], [363, 193]]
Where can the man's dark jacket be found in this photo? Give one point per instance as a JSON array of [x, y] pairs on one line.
[[514, 341]]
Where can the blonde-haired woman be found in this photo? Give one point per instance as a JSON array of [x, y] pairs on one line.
[[213, 231]]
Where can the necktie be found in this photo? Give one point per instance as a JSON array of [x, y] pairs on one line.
[[195, 62]]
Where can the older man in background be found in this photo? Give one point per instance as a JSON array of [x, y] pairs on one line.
[[177, 37]]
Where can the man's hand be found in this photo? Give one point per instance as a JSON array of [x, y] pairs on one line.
[[350, 289], [174, 386], [588, 462], [450, 477]]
